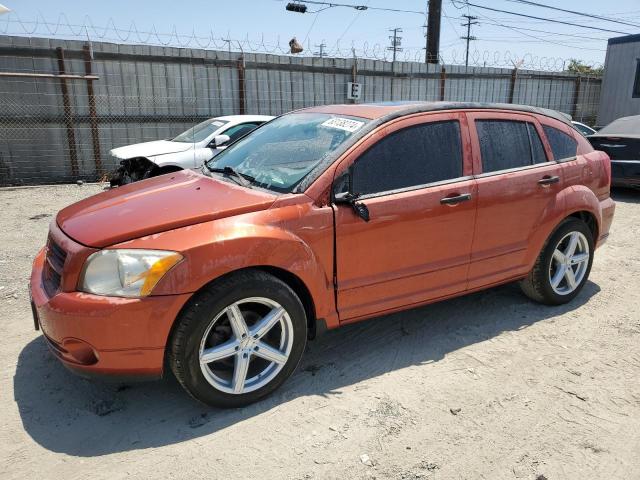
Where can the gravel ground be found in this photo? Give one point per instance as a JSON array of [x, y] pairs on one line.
[[485, 386]]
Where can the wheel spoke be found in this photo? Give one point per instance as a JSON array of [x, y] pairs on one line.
[[558, 256], [218, 352], [579, 258], [573, 243], [269, 353], [557, 277], [571, 278], [240, 372], [238, 325], [270, 319]]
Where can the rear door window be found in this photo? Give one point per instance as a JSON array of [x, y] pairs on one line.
[[504, 144], [562, 145], [413, 156]]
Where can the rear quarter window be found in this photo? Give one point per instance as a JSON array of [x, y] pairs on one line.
[[562, 145]]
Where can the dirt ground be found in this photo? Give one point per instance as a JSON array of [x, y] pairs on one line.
[[485, 386]]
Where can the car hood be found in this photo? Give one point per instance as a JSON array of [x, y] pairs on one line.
[[150, 149], [156, 205]]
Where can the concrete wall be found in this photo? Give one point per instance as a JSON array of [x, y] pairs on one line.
[[620, 69], [146, 93]]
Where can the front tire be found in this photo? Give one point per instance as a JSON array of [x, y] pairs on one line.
[[563, 266], [239, 339]]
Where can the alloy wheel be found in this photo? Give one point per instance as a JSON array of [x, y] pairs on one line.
[[569, 263], [246, 345]]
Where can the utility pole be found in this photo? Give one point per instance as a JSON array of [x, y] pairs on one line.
[[432, 53], [396, 42], [320, 52], [468, 38]]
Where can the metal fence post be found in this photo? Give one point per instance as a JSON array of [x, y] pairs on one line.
[[68, 114], [93, 116], [576, 96], [354, 74], [512, 85], [241, 85], [443, 79]]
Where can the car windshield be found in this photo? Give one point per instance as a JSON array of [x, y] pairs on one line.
[[281, 153], [200, 132]]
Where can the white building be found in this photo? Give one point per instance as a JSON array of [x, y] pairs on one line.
[[620, 95]]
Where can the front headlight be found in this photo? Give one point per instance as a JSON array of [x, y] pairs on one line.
[[126, 272]]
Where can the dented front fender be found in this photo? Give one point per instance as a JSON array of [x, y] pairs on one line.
[[258, 239]]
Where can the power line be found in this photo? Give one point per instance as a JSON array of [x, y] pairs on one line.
[[357, 15], [545, 19], [583, 37], [574, 12], [362, 7], [538, 38]]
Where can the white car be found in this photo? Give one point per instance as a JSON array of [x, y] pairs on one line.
[[582, 128], [188, 150]]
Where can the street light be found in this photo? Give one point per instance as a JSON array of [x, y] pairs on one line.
[[3, 9]]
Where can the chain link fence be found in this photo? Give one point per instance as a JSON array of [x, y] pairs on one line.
[[64, 104]]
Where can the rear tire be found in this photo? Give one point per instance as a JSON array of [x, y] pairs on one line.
[[563, 266], [238, 340]]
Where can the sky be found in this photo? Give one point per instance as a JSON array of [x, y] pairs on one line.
[[261, 25]]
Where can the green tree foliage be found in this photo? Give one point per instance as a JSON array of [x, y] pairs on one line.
[[576, 66]]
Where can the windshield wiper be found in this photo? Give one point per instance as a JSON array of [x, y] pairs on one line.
[[243, 179]]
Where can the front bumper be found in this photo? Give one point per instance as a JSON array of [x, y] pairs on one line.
[[105, 336]]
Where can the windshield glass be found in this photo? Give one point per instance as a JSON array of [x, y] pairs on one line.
[[282, 152], [200, 132]]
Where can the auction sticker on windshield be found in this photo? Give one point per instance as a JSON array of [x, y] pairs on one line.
[[343, 124]]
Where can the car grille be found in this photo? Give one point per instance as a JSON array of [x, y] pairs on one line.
[[53, 268]]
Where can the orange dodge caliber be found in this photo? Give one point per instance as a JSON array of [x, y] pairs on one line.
[[322, 217]]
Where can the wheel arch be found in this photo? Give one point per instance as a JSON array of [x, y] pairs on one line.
[[577, 201], [290, 279], [589, 219]]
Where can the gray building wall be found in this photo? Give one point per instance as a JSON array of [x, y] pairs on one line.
[[147, 93], [620, 67]]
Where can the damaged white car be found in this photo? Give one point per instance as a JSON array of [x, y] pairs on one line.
[[188, 150]]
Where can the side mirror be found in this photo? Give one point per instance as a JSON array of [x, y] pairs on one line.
[[342, 195], [220, 140]]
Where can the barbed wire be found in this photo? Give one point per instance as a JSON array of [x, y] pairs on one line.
[[63, 28]]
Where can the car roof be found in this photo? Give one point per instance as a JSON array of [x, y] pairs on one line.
[[622, 127], [245, 118], [375, 111]]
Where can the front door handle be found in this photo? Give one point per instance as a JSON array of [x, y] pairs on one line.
[[453, 200], [548, 180]]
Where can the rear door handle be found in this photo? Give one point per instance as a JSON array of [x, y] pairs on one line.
[[548, 180], [455, 199]]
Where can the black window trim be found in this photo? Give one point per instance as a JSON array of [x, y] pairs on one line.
[[531, 143], [516, 169], [423, 186]]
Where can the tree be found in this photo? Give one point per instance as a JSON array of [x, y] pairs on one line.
[[581, 68]]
